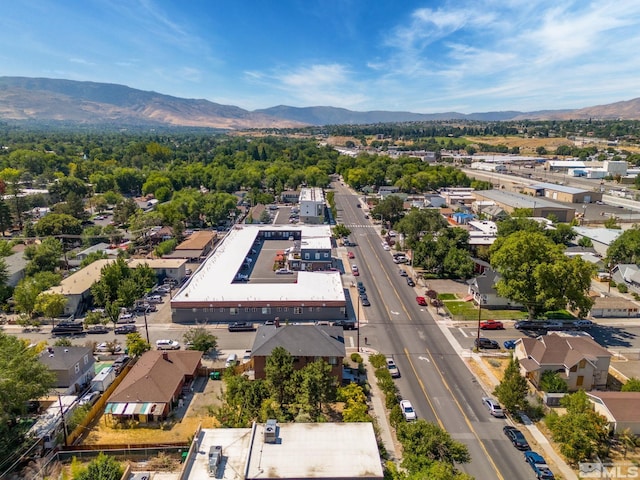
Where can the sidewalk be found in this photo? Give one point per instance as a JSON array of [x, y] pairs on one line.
[[466, 356]]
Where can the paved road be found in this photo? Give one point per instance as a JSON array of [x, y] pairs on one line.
[[434, 377]]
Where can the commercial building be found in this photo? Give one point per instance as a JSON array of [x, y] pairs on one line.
[[240, 280], [312, 205], [540, 207], [562, 193], [319, 451]]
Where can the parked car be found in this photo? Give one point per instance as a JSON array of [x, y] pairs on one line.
[[410, 282], [491, 325], [355, 273], [408, 411], [241, 277], [126, 318], [516, 437], [162, 289], [106, 347], [246, 358], [351, 255], [120, 329], [365, 302], [494, 407], [509, 344], [120, 363], [393, 368], [283, 271], [166, 344], [421, 301], [583, 323], [403, 273], [98, 329], [539, 466], [154, 299], [89, 399], [345, 324], [241, 327], [487, 343], [530, 325], [386, 247]]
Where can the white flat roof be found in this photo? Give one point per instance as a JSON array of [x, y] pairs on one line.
[[213, 281], [313, 194]]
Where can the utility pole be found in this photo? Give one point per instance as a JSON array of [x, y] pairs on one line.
[[479, 317], [64, 423]]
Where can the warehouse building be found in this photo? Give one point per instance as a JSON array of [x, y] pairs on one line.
[[539, 206], [562, 193]]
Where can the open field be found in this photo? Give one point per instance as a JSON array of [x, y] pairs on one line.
[[460, 310]]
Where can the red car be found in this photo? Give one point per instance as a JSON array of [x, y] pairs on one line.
[[355, 273], [421, 301], [491, 325], [351, 255]]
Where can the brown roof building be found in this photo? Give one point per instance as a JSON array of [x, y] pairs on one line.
[[153, 386], [580, 361], [196, 247], [621, 409]]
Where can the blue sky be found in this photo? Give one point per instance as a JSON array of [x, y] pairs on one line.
[[419, 56]]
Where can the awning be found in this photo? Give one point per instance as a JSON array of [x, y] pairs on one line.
[[146, 407], [138, 409], [131, 407], [109, 408], [119, 408]]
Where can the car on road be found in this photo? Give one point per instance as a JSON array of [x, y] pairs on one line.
[[107, 347], [403, 273], [241, 277], [284, 271], [167, 344], [365, 302], [362, 295], [421, 301], [393, 368], [516, 437], [407, 411], [98, 329], [241, 327], [491, 325], [120, 329], [386, 247], [494, 407], [351, 255], [362, 290], [162, 289], [410, 282], [487, 343], [345, 324], [355, 273], [583, 323], [539, 465], [509, 344]]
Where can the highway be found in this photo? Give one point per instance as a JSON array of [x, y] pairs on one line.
[[433, 376]]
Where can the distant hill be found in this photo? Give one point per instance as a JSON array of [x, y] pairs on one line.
[[32, 100]]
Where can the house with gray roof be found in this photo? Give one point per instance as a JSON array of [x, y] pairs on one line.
[[74, 367], [580, 361], [305, 343], [16, 265], [483, 292]]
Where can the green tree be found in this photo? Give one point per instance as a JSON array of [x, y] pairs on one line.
[[26, 292], [341, 231], [562, 234], [103, 467], [535, 272], [22, 378], [58, 224], [512, 389], [625, 248], [425, 443], [551, 382], [136, 345], [278, 373], [581, 432], [51, 305], [200, 339], [355, 403], [631, 385], [316, 386], [44, 257], [390, 209]]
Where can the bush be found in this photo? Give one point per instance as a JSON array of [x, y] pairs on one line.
[[378, 360], [391, 399], [395, 416], [612, 284], [356, 357], [622, 288]]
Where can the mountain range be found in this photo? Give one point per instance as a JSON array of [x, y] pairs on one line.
[[51, 101]]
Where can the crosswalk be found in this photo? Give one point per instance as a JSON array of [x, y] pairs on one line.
[[359, 225]]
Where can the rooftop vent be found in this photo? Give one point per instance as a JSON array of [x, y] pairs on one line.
[[270, 431]]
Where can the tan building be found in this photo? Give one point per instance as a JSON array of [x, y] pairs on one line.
[[539, 206], [580, 361], [562, 193], [614, 307], [619, 408], [196, 247]]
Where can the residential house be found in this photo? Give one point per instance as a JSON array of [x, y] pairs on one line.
[[434, 200], [146, 204], [153, 386], [98, 247], [619, 408], [16, 265], [311, 254], [74, 367], [495, 213], [614, 307], [385, 191], [483, 292], [579, 360], [195, 248], [305, 343]]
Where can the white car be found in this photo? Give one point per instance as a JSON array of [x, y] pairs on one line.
[[283, 271], [494, 407], [386, 247], [104, 347], [393, 369], [167, 345], [408, 411], [90, 398]]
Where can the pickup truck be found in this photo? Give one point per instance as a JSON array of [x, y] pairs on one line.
[[241, 327]]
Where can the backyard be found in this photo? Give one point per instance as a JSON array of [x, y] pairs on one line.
[[463, 311]]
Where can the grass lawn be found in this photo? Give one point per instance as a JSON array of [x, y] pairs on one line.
[[447, 296], [467, 311]]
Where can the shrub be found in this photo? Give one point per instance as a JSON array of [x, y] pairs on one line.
[[391, 399], [622, 288], [356, 357], [378, 360], [395, 416]]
